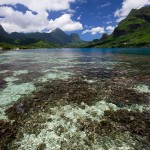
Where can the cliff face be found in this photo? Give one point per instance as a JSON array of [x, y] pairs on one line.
[[104, 37]]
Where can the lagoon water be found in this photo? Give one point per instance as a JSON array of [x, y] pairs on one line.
[[85, 91]]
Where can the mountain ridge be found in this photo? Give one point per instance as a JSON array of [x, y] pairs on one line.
[[133, 31], [57, 37]]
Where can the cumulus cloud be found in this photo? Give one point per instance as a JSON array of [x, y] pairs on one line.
[[127, 6], [110, 29], [28, 22], [6, 11], [99, 30], [41, 5], [65, 23], [94, 31]]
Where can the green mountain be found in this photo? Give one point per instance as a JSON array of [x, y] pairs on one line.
[[2, 31], [4, 36], [56, 38], [134, 31], [76, 39]]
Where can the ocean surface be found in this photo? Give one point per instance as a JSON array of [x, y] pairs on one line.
[[93, 99]]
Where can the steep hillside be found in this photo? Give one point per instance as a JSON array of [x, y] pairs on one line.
[[2, 31], [55, 39], [134, 31], [4, 36]]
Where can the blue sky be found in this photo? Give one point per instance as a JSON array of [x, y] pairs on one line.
[[96, 13], [89, 18]]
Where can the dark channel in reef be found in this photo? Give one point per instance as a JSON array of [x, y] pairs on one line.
[[28, 77], [8, 132], [2, 83], [122, 97]]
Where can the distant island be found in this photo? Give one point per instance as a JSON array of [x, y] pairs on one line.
[[134, 31]]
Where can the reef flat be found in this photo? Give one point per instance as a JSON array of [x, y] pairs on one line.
[[76, 100]]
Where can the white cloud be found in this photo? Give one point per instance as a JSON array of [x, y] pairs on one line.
[[79, 18], [94, 31], [65, 23], [6, 11], [110, 29], [28, 22], [127, 6], [108, 22], [101, 30], [105, 5], [41, 5]]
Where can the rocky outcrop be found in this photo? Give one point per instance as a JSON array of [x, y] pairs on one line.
[[104, 37], [2, 31], [75, 38], [144, 17], [118, 32], [133, 27]]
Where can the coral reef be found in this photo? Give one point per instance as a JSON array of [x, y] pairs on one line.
[[76, 101], [8, 132]]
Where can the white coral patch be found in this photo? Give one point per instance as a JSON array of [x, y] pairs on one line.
[[142, 89], [63, 127], [12, 93]]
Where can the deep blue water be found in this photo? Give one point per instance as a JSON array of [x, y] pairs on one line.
[[138, 51]]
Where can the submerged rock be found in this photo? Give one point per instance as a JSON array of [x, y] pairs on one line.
[[8, 133], [134, 122], [124, 96], [3, 83], [102, 73], [101, 128], [42, 146], [28, 77]]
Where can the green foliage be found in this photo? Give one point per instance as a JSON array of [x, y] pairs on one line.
[[5, 46], [134, 31], [56, 38], [39, 44], [42, 44]]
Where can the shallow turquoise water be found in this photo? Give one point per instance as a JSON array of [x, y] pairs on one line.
[[22, 71], [49, 64]]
